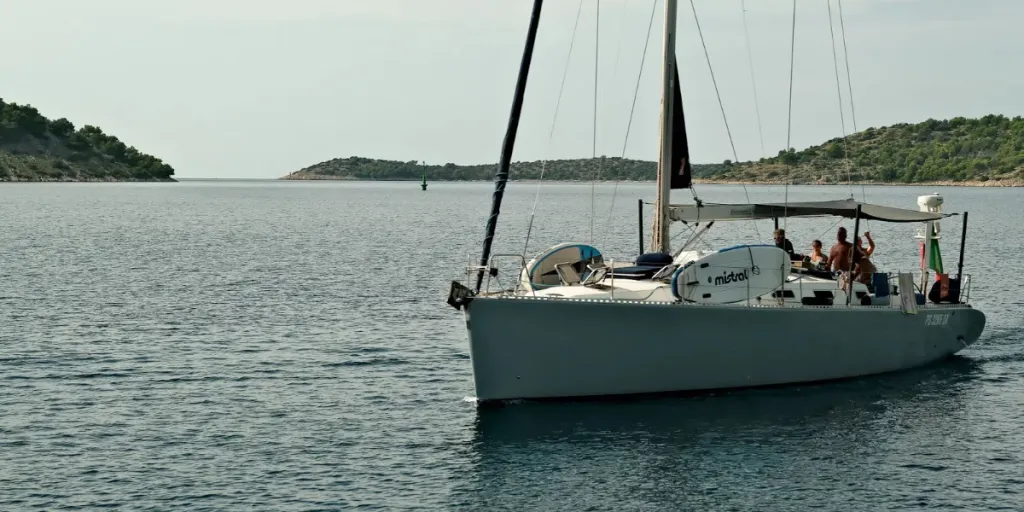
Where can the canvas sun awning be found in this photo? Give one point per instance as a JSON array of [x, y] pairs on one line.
[[839, 208]]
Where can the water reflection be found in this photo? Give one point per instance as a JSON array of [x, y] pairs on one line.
[[845, 401], [669, 450]]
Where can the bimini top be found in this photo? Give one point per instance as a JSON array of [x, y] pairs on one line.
[[839, 208]]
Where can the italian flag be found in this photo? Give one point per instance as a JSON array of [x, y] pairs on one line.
[[935, 257]]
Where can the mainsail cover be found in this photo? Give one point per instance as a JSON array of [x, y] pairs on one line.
[[682, 173]]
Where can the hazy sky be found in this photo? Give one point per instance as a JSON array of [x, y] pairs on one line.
[[259, 88]]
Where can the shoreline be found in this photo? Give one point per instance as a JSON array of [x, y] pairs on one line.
[[89, 180], [1015, 183]]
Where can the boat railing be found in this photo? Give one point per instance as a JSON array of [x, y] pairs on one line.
[[961, 287], [517, 288], [965, 288], [493, 272], [963, 293]]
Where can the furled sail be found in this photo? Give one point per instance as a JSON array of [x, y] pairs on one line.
[[682, 173]]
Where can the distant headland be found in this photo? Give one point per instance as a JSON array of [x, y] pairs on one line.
[[34, 148], [987, 151]]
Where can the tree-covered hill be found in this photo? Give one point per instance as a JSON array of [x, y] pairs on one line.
[[584, 169], [988, 150], [34, 148], [956, 150]]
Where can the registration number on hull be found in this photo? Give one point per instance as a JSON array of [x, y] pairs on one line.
[[937, 319]]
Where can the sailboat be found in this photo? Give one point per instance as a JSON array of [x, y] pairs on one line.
[[575, 325]]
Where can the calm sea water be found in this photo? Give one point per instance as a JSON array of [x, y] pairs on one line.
[[286, 346]]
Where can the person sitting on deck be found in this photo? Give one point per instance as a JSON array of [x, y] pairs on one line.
[[785, 245], [817, 258]]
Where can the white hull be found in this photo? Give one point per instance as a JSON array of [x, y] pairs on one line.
[[546, 348]]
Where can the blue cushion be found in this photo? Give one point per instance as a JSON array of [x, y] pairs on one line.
[[652, 259], [637, 272], [880, 282]]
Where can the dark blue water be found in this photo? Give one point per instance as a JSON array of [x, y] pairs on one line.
[[285, 346]]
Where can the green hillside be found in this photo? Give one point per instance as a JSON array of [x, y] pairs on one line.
[[956, 150], [34, 148], [970, 151], [358, 168]]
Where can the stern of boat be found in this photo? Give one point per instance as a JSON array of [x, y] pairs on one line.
[[971, 325]]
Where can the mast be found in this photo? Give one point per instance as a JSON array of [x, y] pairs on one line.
[[501, 177], [660, 231]]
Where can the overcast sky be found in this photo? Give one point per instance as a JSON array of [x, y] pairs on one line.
[[259, 88]]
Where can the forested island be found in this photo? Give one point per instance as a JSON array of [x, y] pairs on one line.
[[985, 151], [34, 148]]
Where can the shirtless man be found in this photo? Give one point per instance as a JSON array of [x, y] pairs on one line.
[[839, 255]]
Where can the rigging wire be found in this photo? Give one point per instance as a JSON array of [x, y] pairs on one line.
[[695, 233], [721, 106], [830, 228], [632, 108], [753, 81], [615, 72], [789, 121], [849, 86], [618, 48], [593, 155], [846, 57], [839, 93], [551, 133]]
